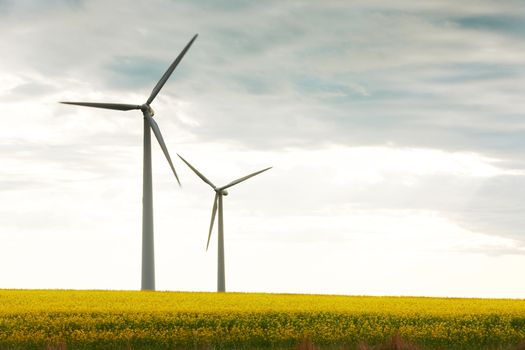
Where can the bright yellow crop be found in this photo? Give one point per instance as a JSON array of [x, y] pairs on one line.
[[167, 320]]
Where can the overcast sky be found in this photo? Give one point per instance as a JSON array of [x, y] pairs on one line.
[[396, 130]]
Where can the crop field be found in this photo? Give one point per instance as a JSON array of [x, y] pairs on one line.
[[55, 319]]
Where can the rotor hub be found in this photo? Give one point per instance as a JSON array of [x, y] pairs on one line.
[[146, 107]]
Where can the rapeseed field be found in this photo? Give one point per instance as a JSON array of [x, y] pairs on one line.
[[57, 319]]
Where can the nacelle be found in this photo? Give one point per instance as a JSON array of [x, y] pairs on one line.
[[147, 107]]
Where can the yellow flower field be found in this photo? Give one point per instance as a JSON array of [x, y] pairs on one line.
[[40, 319]]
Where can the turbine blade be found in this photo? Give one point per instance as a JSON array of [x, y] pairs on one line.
[[213, 212], [158, 135], [170, 70], [235, 182], [117, 106], [197, 172]]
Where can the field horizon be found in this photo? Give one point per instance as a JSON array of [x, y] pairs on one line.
[[266, 293]]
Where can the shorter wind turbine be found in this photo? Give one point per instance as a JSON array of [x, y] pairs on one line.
[[217, 203]]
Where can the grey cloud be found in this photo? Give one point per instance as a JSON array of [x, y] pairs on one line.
[[282, 59], [513, 25], [493, 206], [462, 72], [32, 7], [360, 120], [486, 205], [134, 72], [397, 104], [5, 6], [29, 90], [255, 84], [87, 155], [497, 207], [224, 5]]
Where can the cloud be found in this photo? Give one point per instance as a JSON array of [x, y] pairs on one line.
[[512, 25], [5, 5], [29, 90], [133, 72]]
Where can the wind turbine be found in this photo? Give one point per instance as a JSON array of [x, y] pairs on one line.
[[217, 203], [148, 255]]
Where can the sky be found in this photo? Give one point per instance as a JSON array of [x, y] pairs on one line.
[[396, 132]]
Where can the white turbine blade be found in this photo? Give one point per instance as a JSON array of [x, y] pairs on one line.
[[117, 106], [170, 70], [203, 178], [213, 212], [233, 183], [158, 135]]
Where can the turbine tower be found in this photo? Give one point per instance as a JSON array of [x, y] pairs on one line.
[[148, 254], [217, 203]]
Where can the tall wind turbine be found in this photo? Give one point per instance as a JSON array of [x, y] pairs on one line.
[[217, 203], [148, 255]]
